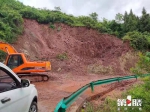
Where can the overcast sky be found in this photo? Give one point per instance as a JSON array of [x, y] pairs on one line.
[[104, 8]]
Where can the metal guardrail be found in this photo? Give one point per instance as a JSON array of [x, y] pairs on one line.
[[67, 101]]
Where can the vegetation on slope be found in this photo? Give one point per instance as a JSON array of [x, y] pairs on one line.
[[140, 91], [129, 25], [11, 22], [137, 92]]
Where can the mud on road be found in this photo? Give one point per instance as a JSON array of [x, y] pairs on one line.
[[62, 85]]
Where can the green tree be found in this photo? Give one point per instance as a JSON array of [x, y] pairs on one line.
[[94, 16], [119, 18], [144, 22], [57, 9], [116, 28], [131, 22], [125, 19]]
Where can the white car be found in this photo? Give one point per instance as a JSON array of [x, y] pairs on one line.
[[16, 95]]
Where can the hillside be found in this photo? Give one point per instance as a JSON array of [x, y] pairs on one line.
[[80, 49], [131, 27], [84, 50], [78, 55]]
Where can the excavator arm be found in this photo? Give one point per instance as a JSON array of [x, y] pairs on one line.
[[7, 48]]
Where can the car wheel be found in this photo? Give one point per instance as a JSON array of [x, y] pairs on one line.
[[33, 107]]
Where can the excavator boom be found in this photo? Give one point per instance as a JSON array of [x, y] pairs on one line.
[[7, 48]]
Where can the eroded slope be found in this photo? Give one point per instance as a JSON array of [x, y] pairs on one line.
[[87, 50]]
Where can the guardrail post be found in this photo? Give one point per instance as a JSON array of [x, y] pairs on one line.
[[136, 77], [92, 86], [62, 108], [118, 79]]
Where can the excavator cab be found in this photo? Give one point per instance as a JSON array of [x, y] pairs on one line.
[[14, 61]]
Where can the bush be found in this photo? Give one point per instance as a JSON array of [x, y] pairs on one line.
[[52, 26], [143, 65], [140, 91], [137, 40], [11, 24], [59, 28], [2, 56], [62, 56], [30, 13]]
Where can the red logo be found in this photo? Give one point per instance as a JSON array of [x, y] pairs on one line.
[[128, 101]]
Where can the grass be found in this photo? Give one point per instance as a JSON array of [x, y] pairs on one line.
[[128, 60], [59, 28], [52, 26], [100, 69], [62, 56]]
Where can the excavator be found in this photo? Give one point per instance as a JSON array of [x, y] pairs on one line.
[[22, 67]]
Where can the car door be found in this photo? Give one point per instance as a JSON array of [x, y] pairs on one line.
[[13, 98]]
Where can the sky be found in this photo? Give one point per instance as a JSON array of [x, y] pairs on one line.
[[104, 8]]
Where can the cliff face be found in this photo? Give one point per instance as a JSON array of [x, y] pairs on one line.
[[84, 50]]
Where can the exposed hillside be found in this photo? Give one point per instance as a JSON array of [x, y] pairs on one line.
[[78, 50], [129, 27]]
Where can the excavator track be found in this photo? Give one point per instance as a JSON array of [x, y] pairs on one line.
[[35, 77]]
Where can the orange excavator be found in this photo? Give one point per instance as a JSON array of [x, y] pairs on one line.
[[23, 68]]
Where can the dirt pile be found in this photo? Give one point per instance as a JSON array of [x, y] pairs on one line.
[[76, 50]]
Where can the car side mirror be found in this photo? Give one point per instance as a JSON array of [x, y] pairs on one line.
[[25, 83]]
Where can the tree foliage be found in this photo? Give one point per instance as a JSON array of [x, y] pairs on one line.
[[131, 22], [143, 65], [94, 16], [11, 22], [57, 8], [136, 28], [3, 56], [138, 40], [119, 18], [144, 22]]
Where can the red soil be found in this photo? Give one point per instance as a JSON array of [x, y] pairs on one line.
[[84, 47]]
